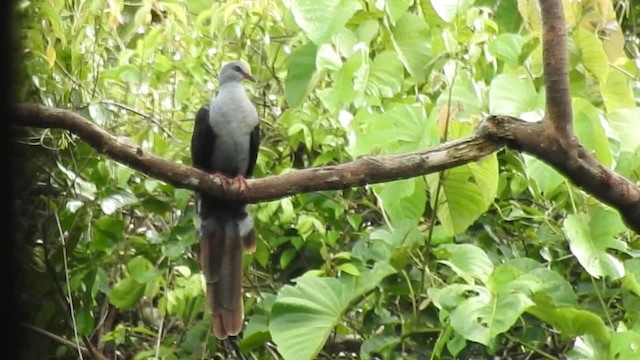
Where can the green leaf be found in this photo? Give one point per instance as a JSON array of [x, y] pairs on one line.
[[511, 95], [349, 269], [117, 200], [590, 235], [396, 8], [589, 130], [466, 193], [631, 280], [625, 123], [302, 66], [303, 316], [344, 89], [466, 260], [572, 322], [507, 47], [616, 92], [403, 199], [478, 314], [448, 10], [379, 344], [256, 333], [385, 75], [625, 345], [411, 130], [320, 20], [465, 96], [85, 321], [412, 42], [593, 55], [546, 178], [327, 58], [126, 294]]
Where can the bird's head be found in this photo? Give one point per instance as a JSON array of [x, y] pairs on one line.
[[235, 71]]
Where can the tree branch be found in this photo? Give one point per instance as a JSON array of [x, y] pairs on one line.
[[365, 170], [65, 342], [556, 71], [493, 133], [573, 161]]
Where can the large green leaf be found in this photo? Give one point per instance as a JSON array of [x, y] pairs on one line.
[[304, 315], [507, 47], [631, 280], [403, 199], [593, 55], [476, 313], [300, 70], [571, 322], [320, 20], [344, 89], [448, 10], [590, 235], [626, 124], [511, 95], [625, 345], [466, 260], [589, 130], [385, 75], [546, 178], [466, 193], [401, 128], [616, 92], [396, 9], [466, 96], [126, 294], [411, 40]]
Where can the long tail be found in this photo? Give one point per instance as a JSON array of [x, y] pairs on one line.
[[222, 240]]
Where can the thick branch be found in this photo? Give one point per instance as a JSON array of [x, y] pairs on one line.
[[570, 159], [573, 161], [556, 73], [366, 170]]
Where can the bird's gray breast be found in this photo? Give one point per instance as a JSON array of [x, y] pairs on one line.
[[232, 118]]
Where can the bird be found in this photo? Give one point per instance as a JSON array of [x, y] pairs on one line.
[[224, 143]]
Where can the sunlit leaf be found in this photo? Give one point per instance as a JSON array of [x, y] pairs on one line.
[[411, 40], [466, 193], [590, 235], [448, 10], [593, 55], [320, 20], [466, 260], [304, 315]]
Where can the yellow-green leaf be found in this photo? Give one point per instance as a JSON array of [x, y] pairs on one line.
[[51, 56]]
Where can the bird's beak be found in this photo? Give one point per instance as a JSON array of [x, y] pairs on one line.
[[249, 77]]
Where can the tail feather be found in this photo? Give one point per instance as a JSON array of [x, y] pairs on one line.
[[221, 247]]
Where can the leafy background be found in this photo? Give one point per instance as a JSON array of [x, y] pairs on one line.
[[501, 257]]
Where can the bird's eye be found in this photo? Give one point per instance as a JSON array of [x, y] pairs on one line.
[[237, 68]]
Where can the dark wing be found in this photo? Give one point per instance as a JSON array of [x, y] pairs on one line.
[[254, 146], [202, 141]]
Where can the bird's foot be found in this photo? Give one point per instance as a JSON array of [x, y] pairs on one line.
[[225, 182], [242, 183]]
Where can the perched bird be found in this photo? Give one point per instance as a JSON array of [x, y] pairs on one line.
[[225, 142]]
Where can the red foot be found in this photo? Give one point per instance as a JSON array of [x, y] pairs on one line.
[[242, 182], [224, 181]]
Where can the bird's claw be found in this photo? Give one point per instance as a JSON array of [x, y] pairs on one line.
[[242, 183], [224, 181]]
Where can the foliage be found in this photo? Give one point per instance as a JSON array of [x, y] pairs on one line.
[[501, 257]]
